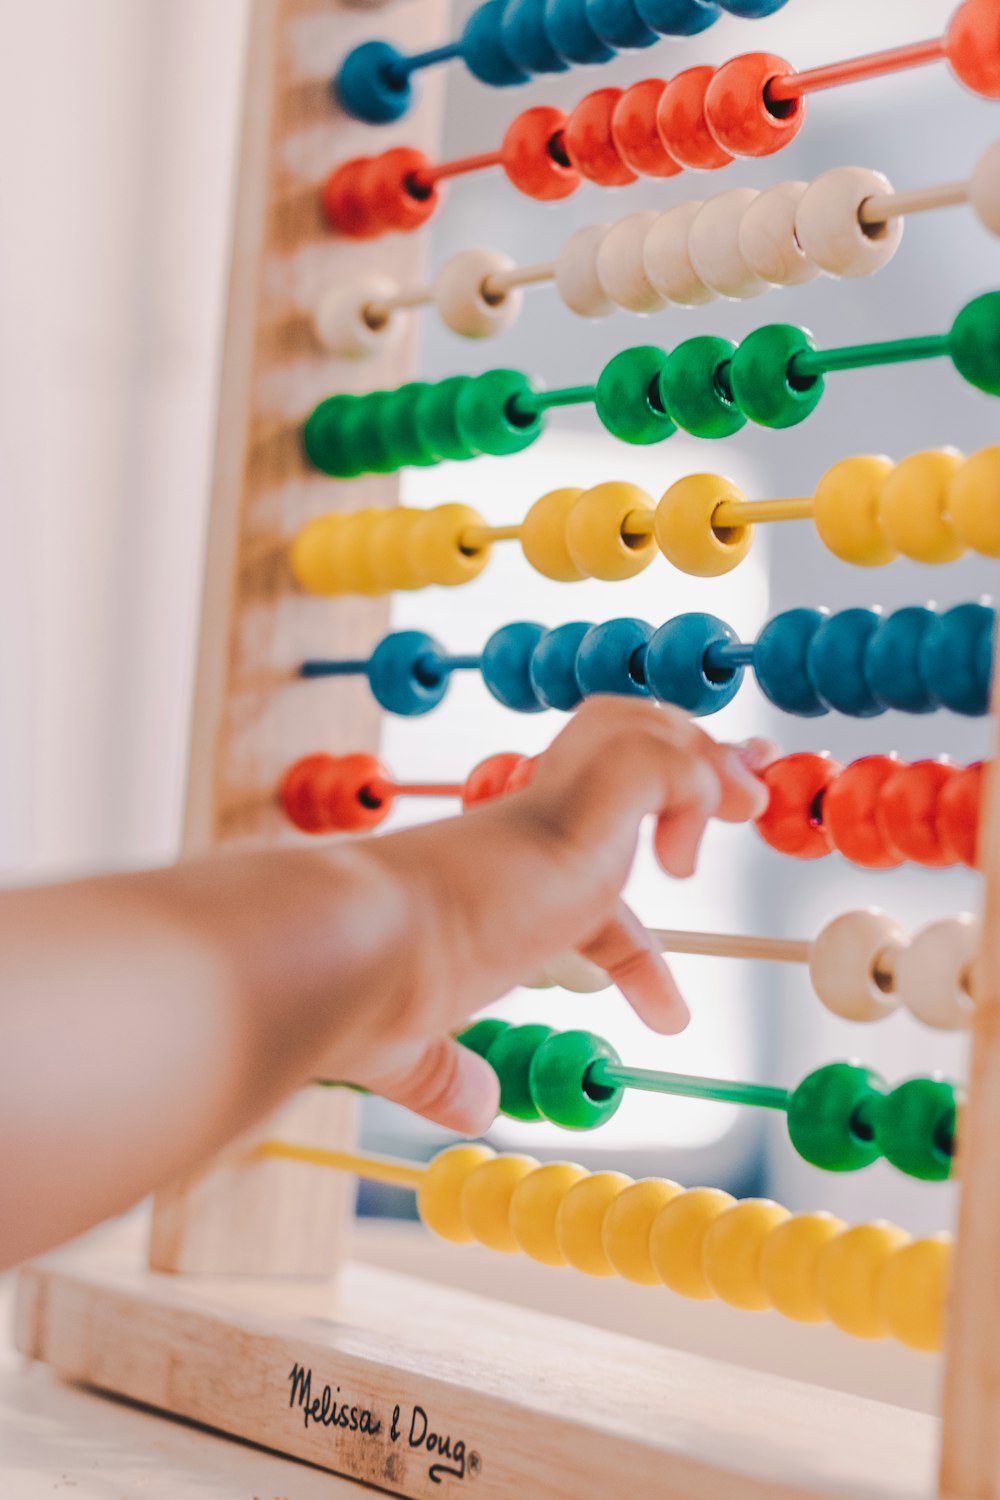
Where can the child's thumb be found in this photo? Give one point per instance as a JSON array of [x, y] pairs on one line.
[[444, 1082]]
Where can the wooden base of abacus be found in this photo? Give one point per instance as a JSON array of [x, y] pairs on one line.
[[520, 1404]]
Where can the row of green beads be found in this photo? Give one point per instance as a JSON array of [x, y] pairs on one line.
[[844, 1117], [543, 1073]]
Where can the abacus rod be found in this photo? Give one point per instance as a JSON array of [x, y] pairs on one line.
[[883, 206], [385, 1169], [322, 668], [726, 945], [473, 538], [531, 403], [500, 282], [424, 788], [791, 86], [447, 52], [428, 176], [375, 313], [751, 512], [686, 1086], [812, 362], [721, 656]]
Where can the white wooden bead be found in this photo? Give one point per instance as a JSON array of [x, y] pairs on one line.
[[984, 189], [843, 959], [461, 301], [576, 278], [829, 229], [571, 971], [714, 245], [668, 260], [929, 976], [620, 267], [340, 322], [768, 242]]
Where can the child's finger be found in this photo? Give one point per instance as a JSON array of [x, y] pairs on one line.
[[444, 1082], [632, 960]]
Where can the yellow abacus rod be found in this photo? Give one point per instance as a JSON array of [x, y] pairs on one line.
[[386, 1169]]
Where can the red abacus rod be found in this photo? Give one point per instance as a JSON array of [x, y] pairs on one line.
[[855, 70]]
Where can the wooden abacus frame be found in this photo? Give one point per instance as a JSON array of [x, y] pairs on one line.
[[529, 1404]]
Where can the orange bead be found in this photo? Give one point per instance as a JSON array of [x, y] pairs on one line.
[[532, 158], [793, 822], [681, 122], [849, 812], [346, 203], [958, 812], [634, 132], [389, 185], [589, 143], [489, 779], [737, 110], [336, 793], [522, 774], [972, 47], [906, 812]]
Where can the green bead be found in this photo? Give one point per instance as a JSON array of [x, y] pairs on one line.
[[399, 412], [486, 416], [325, 436], [480, 1036], [974, 343], [915, 1128], [510, 1056], [437, 419], [559, 1084], [368, 437], [830, 1117], [694, 386], [764, 385], [628, 396]]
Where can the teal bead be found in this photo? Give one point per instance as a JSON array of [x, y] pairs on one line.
[[831, 1117], [628, 399], [695, 388], [915, 1128], [611, 658], [974, 343], [480, 1036], [677, 670], [325, 436], [400, 414], [510, 1056], [559, 1083], [764, 384], [487, 418], [437, 419]]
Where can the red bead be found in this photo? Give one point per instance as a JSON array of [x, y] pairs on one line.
[[907, 811], [972, 47], [634, 132], [849, 812], [589, 143], [681, 123], [793, 821], [489, 779], [958, 813], [529, 155], [738, 114], [522, 774], [336, 793], [389, 184], [346, 203]]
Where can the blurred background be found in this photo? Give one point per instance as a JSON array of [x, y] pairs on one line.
[[118, 125]]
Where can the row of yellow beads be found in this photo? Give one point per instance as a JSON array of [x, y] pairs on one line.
[[872, 1281], [932, 508]]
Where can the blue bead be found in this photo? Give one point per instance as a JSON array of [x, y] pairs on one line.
[[752, 10], [553, 666], [836, 662], [894, 661], [781, 662], [525, 39], [958, 656], [571, 33], [483, 51], [611, 659], [676, 668], [405, 674], [619, 23], [506, 665], [372, 84], [678, 17]]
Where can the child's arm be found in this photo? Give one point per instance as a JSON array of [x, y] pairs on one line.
[[147, 1019]]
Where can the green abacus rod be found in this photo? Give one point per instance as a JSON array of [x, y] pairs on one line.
[[533, 403], [687, 1086], [811, 363]]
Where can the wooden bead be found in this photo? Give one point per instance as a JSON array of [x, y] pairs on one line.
[[685, 529], [931, 975], [527, 158], [830, 231], [534, 1205], [391, 561], [439, 1195], [485, 1199], [543, 536], [768, 242], [788, 1262], [845, 960], [792, 821], [681, 122], [913, 1292], [984, 189], [621, 268], [595, 532], [714, 245], [847, 511], [849, 1273], [737, 110], [571, 971], [576, 278], [463, 304], [312, 556], [906, 813], [489, 779], [435, 547], [589, 143], [914, 507], [972, 502], [668, 261], [677, 1240], [972, 47], [634, 132], [732, 1251], [340, 320], [850, 806], [628, 1225], [580, 1221]]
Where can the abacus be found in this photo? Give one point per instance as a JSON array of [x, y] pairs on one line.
[[237, 1322]]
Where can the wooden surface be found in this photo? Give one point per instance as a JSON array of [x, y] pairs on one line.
[[252, 716]]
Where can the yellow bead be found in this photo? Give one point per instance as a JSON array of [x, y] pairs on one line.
[[580, 1221], [628, 1224], [974, 502], [436, 550], [849, 1273], [789, 1261], [846, 511], [485, 1200], [543, 536], [677, 1238], [439, 1195], [685, 532], [595, 536], [533, 1208], [313, 556], [732, 1251], [391, 563], [913, 1292], [913, 507]]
